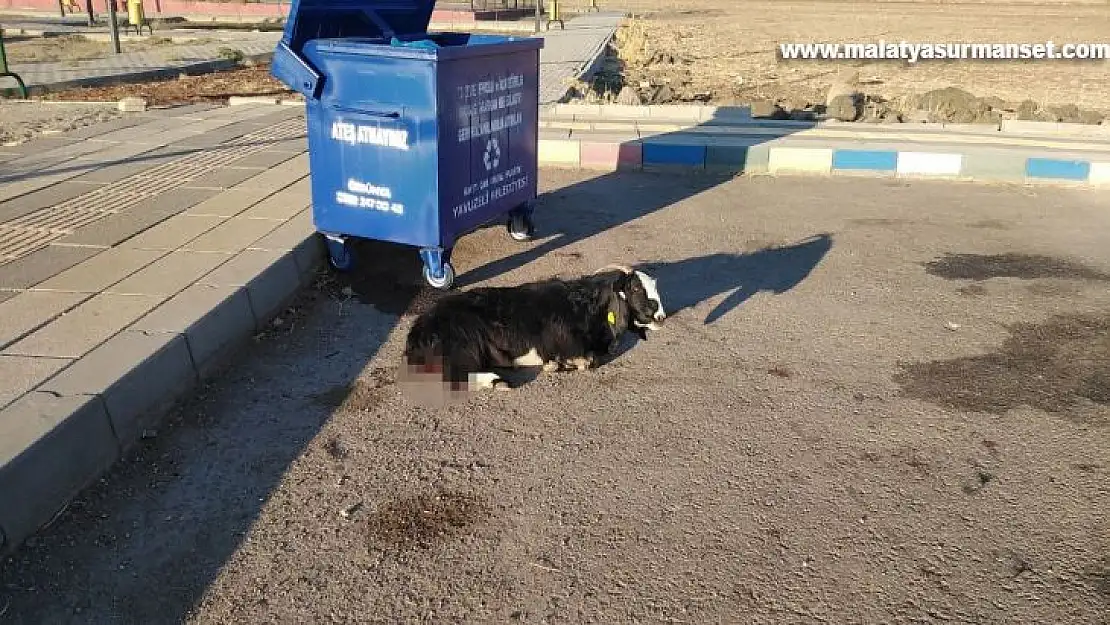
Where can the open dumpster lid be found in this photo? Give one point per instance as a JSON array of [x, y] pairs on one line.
[[325, 19], [331, 19]]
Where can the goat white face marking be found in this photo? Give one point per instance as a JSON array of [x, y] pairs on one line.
[[653, 294], [530, 359]]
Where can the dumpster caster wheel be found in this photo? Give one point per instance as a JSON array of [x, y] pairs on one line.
[[340, 256], [521, 227], [443, 282]]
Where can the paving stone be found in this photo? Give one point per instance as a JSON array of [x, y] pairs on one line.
[[20, 187], [284, 204], [117, 171], [104, 127], [175, 200], [31, 309], [225, 177], [270, 277], [297, 145], [232, 236], [173, 232], [20, 374], [170, 274], [231, 202], [40, 144], [299, 236], [7, 295], [52, 160], [282, 114], [26, 272], [137, 375], [50, 449], [214, 320], [100, 271], [212, 138], [265, 159], [114, 229], [82, 329], [38, 200], [280, 176]]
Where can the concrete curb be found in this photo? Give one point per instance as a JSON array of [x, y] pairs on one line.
[[1084, 164], [77, 424], [568, 115]]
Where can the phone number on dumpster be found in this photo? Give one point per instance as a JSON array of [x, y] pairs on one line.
[[361, 194]]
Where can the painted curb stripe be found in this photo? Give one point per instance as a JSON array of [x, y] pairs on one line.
[[818, 160], [930, 163], [1055, 168], [559, 151], [674, 154], [611, 155], [875, 160], [633, 155], [1100, 173]]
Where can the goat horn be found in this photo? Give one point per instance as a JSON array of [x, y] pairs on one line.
[[622, 268]]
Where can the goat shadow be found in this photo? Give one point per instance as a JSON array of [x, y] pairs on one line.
[[684, 284]]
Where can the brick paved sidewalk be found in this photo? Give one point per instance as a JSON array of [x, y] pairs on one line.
[[134, 255]]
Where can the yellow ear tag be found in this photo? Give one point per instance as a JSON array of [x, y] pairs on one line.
[[612, 318]]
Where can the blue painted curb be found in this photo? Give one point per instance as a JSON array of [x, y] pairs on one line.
[[865, 160], [1079, 171]]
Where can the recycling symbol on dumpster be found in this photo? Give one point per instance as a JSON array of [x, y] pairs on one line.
[[492, 157]]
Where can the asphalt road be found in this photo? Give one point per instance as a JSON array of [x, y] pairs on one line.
[[874, 402]]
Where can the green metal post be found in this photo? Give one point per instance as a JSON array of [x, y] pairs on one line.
[[4, 73]]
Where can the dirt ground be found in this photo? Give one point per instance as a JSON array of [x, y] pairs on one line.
[[875, 401], [214, 86], [23, 121], [726, 52]]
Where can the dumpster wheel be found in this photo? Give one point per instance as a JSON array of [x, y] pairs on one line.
[[340, 256], [521, 227], [445, 281]]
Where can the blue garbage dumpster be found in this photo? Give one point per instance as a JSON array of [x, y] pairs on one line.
[[414, 138]]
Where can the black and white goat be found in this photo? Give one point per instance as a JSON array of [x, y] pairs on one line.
[[555, 324]]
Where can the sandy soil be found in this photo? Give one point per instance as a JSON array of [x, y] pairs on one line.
[[888, 410], [22, 121], [726, 51]]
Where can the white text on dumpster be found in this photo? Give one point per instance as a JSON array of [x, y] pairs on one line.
[[357, 134], [361, 194], [490, 189], [494, 100]]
